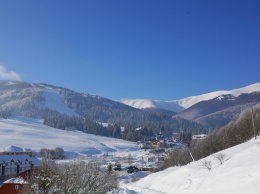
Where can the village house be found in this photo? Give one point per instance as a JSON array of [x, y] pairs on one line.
[[156, 144], [199, 137], [144, 144], [17, 184], [13, 162], [13, 186]]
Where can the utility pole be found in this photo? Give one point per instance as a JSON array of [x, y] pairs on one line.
[[191, 156], [252, 113]]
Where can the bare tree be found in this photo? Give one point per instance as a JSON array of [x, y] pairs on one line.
[[206, 164], [74, 177], [220, 157], [59, 153], [45, 153], [129, 159], [43, 179]]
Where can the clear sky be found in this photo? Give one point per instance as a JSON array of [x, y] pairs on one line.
[[155, 49]]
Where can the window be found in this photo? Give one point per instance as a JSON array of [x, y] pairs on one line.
[[16, 187]]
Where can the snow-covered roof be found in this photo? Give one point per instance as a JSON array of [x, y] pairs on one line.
[[17, 180], [200, 136], [12, 148], [18, 158]]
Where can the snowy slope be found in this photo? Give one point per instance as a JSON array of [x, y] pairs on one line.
[[239, 174], [178, 105], [188, 102], [146, 103], [18, 95], [54, 102], [32, 134]]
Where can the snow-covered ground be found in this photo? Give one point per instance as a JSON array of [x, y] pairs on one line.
[[32, 134], [239, 174]]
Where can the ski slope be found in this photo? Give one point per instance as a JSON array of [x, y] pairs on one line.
[[32, 134]]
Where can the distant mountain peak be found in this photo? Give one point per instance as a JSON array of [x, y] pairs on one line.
[[190, 101], [181, 104], [159, 104]]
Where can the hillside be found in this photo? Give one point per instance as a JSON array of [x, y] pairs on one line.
[[158, 104], [52, 102], [184, 103], [239, 174], [32, 134], [212, 110], [221, 110], [196, 113]]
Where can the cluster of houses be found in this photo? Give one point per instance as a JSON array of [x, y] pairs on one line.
[[160, 142], [15, 164]]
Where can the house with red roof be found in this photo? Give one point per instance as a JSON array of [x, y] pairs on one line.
[[13, 186]]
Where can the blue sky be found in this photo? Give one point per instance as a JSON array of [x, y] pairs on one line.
[[155, 49]]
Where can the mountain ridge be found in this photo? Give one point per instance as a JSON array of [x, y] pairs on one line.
[[214, 109], [56, 104], [208, 110], [184, 103]]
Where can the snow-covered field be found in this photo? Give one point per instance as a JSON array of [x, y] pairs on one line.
[[31, 133], [239, 174]]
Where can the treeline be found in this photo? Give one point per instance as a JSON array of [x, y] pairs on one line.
[[127, 132], [65, 122], [151, 123], [56, 154], [236, 132], [107, 111]]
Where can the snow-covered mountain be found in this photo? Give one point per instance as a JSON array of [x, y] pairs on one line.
[[37, 100], [18, 96], [45, 101], [190, 101], [181, 104], [239, 174], [158, 104], [211, 110]]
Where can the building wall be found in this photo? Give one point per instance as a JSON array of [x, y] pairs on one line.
[[13, 168], [11, 165], [11, 188]]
